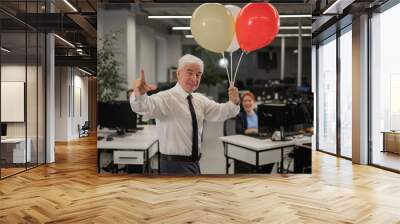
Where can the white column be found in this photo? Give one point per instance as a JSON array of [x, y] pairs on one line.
[[50, 99], [162, 60], [131, 50], [360, 90]]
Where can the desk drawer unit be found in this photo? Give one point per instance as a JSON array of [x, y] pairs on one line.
[[241, 154], [392, 142], [270, 156], [128, 157]]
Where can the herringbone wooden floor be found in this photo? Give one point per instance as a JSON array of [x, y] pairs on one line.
[[70, 191]]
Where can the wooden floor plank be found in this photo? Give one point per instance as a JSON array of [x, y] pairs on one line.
[[71, 191]]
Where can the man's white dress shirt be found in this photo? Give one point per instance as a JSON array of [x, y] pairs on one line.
[[170, 108]]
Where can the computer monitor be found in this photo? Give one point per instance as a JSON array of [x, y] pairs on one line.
[[286, 118], [105, 114], [3, 129], [117, 115], [125, 118], [271, 117]]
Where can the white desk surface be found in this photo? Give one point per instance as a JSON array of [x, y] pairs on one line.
[[262, 144], [13, 140], [140, 140]]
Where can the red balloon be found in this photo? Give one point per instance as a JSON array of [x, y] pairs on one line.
[[256, 26]]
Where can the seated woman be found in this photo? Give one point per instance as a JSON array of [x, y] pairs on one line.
[[247, 121]]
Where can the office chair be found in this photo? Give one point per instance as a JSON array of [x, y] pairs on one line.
[[84, 130], [230, 127]]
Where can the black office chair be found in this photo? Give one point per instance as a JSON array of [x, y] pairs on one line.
[[84, 130], [230, 127]]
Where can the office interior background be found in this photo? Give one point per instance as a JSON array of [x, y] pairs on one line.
[[355, 146], [279, 73], [357, 84], [46, 80]]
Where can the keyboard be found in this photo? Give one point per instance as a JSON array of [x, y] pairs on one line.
[[259, 136]]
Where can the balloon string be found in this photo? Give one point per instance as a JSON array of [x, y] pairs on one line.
[[226, 67], [231, 65], [237, 66]]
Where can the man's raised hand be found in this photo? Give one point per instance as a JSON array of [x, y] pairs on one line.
[[140, 86]]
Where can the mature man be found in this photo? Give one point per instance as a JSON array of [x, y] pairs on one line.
[[179, 114]]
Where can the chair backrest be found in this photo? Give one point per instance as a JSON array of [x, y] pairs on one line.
[[230, 127], [86, 125]]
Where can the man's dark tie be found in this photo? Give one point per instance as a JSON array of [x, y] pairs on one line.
[[195, 138]]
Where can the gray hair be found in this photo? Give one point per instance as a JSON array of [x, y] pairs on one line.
[[188, 59]]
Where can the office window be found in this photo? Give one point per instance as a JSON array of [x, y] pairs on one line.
[[327, 95], [385, 88], [346, 93]]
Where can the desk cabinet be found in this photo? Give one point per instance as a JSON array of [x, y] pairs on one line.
[[391, 142], [129, 157], [137, 150], [14, 150]]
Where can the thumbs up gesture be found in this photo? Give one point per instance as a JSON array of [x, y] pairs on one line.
[[140, 86]]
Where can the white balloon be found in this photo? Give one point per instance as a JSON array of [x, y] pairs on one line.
[[234, 10]]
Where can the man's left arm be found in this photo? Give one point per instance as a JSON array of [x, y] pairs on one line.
[[222, 111]]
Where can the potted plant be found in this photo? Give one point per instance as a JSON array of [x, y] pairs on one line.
[[110, 81]]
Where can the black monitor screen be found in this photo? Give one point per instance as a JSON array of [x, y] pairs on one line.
[[271, 117], [290, 116], [104, 117], [3, 129], [116, 115], [124, 116]]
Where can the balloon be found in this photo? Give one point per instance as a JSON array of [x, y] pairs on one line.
[[235, 12], [212, 27], [256, 26]]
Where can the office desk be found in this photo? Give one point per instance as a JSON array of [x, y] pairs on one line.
[[16, 147], [133, 148], [255, 151]]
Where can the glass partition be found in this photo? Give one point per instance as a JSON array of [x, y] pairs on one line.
[[327, 95], [14, 154], [385, 89], [346, 93], [22, 91]]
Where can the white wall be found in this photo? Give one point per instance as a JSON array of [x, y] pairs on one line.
[[12, 73], [61, 103], [33, 126], [80, 83], [67, 116]]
